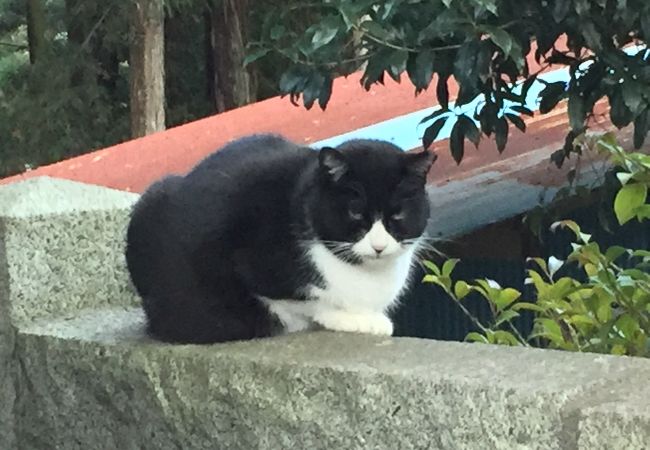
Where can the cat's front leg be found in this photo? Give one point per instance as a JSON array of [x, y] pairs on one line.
[[369, 322]]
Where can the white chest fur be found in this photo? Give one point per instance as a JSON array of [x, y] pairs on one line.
[[355, 298], [370, 287]]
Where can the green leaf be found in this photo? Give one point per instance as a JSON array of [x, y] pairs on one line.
[[528, 307], [448, 266], [633, 96], [641, 128], [619, 112], [603, 309], [522, 110], [501, 133], [465, 70], [432, 267], [628, 200], [582, 319], [397, 63], [506, 297], [582, 6], [432, 131], [551, 95], [505, 338], [490, 5], [323, 36], [540, 262], [561, 9], [326, 92], [375, 70], [506, 316], [470, 130], [389, 7], [443, 282], [577, 111], [627, 325], [643, 212], [461, 289], [420, 69], [457, 142], [442, 92], [476, 337], [277, 31], [501, 38], [374, 29], [517, 121], [433, 115], [645, 24], [255, 55], [591, 35], [550, 329], [641, 253], [294, 80], [313, 88], [614, 252], [570, 224]]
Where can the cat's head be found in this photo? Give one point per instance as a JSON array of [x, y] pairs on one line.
[[371, 203]]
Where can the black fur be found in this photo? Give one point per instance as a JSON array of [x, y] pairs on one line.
[[202, 248]]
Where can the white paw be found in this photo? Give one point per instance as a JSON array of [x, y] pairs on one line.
[[370, 323]]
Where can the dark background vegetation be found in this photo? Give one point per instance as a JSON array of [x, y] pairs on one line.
[[74, 77]]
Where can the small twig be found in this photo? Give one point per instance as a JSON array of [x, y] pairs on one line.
[[522, 340], [9, 44], [93, 30], [373, 38], [471, 317]]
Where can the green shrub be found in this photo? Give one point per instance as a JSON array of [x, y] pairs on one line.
[[607, 310]]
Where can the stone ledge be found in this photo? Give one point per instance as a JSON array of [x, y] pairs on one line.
[[316, 390]]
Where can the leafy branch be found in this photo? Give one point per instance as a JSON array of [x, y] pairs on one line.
[[606, 311]]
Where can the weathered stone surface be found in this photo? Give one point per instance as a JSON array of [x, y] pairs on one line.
[[318, 391], [63, 245], [620, 419], [61, 248], [7, 390]]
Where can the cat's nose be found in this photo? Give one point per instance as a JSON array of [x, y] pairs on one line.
[[378, 248]]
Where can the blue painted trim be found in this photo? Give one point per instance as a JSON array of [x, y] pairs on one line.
[[406, 132]]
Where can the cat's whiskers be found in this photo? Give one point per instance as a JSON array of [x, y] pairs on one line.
[[424, 246]]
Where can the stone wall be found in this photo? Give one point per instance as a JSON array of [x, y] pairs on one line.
[[87, 377]]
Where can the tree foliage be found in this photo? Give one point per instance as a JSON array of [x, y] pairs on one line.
[[482, 44], [75, 97]]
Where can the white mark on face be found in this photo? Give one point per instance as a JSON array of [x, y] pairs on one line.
[[377, 242]]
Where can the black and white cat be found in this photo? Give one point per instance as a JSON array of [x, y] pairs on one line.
[[266, 236]]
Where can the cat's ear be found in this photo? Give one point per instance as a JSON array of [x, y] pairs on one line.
[[333, 163], [419, 164]]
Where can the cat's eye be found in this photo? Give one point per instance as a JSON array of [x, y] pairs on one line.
[[397, 216], [355, 210], [355, 215]]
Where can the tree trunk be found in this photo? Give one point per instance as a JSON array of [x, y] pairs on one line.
[[233, 84], [35, 29], [147, 68]]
